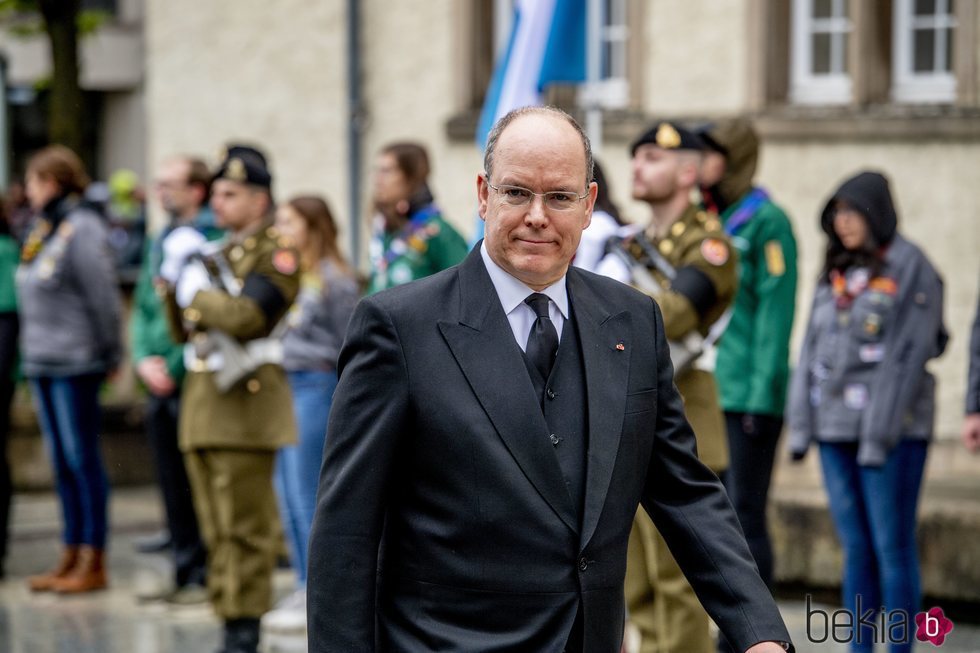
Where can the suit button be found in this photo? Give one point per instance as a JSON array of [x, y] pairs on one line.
[[583, 564], [551, 394], [554, 439]]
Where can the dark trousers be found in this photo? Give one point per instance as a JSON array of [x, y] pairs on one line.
[[190, 555], [8, 359], [752, 444]]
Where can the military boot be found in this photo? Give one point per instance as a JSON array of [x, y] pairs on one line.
[[241, 635]]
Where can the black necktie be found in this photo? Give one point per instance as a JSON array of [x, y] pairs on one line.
[[542, 342]]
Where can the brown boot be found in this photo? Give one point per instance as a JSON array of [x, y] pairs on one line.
[[88, 574], [45, 582]]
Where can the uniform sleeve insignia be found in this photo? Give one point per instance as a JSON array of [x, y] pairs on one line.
[[775, 262], [667, 137], [714, 251], [885, 285], [284, 261]]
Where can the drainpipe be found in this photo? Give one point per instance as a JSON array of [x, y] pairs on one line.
[[355, 127]]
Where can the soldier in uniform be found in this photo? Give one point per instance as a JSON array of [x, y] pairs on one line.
[[226, 301], [685, 261]]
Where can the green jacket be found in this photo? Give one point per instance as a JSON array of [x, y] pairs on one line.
[[9, 259], [753, 356], [149, 330], [421, 248]]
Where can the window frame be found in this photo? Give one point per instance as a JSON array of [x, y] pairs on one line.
[[908, 85], [806, 87]]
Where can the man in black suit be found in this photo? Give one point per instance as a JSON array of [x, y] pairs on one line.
[[494, 429]]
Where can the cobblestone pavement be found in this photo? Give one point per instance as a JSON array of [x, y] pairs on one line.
[[114, 621]]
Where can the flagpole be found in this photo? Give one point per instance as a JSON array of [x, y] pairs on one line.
[[593, 53]]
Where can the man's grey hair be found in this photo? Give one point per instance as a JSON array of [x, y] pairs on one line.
[[554, 112]]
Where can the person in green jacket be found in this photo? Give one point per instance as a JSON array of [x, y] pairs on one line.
[[9, 327], [183, 187], [753, 355], [410, 237]]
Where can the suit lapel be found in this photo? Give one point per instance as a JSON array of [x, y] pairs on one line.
[[607, 375], [484, 347]]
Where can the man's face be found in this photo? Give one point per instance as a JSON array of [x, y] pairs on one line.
[[657, 173], [237, 205], [177, 197], [534, 242]]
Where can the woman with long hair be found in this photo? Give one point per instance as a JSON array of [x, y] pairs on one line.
[[410, 238], [316, 326], [69, 305], [862, 392]]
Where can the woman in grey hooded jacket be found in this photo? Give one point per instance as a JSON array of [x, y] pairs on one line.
[[69, 306], [861, 390]]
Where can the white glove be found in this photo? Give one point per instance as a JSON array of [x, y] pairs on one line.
[[177, 247], [192, 278]]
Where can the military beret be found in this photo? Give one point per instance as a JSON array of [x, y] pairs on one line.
[[669, 136], [244, 164]]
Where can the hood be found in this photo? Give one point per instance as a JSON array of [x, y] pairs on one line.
[[868, 192], [737, 140]]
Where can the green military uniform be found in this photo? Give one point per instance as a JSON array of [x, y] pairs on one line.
[[423, 246], [660, 601], [229, 438]]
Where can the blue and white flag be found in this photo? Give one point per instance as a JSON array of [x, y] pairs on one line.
[[546, 45]]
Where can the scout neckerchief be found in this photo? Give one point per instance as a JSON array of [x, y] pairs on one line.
[[746, 210], [47, 220], [412, 235]]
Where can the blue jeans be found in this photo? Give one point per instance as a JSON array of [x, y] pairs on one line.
[[874, 509], [298, 467], [70, 416]]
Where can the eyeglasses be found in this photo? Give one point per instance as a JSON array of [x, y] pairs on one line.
[[556, 200]]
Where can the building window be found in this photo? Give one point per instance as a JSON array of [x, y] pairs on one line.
[[922, 54], [820, 62], [614, 39]]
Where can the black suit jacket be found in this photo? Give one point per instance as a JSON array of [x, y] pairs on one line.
[[442, 519]]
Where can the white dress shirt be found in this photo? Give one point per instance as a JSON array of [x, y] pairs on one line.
[[512, 294]]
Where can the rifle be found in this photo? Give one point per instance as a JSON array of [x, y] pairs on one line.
[[236, 360], [685, 352]]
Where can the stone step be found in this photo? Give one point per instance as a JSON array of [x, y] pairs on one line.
[[805, 546]]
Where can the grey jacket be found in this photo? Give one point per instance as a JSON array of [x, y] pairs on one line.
[[861, 375], [317, 321], [68, 299], [973, 381]]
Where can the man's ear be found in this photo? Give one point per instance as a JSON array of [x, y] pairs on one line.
[[593, 193], [482, 195]]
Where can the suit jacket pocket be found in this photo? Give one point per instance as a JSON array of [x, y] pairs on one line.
[[641, 402]]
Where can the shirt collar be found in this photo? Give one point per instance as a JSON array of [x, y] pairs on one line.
[[512, 292]]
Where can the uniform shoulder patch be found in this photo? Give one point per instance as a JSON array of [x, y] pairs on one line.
[[714, 251], [775, 261], [284, 261]]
